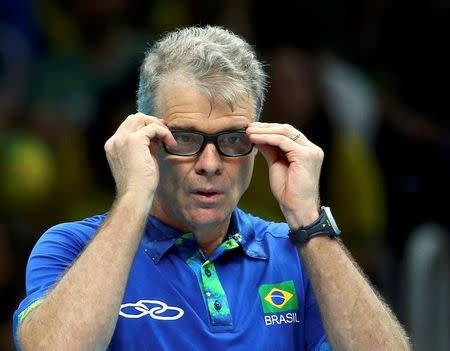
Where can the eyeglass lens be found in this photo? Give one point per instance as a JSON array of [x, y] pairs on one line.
[[233, 143]]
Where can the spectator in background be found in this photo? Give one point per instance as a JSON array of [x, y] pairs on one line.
[[413, 148], [351, 100]]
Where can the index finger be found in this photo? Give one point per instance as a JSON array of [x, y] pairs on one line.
[[159, 132], [137, 121], [285, 130]]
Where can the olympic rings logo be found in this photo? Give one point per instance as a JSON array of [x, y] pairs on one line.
[[154, 312]]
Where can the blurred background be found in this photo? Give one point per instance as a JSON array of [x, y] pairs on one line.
[[365, 80]]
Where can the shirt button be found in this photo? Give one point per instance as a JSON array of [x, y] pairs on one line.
[[207, 272], [217, 305], [208, 294]]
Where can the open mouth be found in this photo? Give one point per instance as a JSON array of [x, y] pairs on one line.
[[207, 194]]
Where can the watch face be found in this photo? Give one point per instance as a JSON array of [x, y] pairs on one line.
[[331, 219]]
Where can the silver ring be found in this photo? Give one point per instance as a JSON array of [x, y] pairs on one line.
[[296, 137]]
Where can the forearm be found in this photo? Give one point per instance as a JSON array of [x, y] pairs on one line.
[[354, 316], [80, 313]]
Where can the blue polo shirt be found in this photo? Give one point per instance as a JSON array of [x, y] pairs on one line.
[[252, 292]]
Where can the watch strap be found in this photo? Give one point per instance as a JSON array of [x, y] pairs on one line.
[[322, 226]]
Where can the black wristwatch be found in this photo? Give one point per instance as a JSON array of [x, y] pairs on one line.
[[325, 225]]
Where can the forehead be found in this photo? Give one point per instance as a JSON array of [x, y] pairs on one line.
[[185, 106]]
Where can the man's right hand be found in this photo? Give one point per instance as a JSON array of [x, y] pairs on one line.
[[130, 154], [80, 311]]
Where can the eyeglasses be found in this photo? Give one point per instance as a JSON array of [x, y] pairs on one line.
[[232, 143]]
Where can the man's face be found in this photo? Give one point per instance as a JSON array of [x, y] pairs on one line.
[[200, 191]]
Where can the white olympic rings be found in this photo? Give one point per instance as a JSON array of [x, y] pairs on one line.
[[154, 312]]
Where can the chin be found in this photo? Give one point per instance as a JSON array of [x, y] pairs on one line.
[[208, 216]]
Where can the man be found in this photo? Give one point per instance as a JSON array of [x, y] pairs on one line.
[[198, 273]]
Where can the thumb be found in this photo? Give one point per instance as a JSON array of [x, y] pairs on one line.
[[270, 153]]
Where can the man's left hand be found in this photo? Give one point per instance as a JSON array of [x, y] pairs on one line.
[[294, 169]]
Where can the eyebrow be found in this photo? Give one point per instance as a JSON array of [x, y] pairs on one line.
[[196, 127], [188, 128], [199, 131]]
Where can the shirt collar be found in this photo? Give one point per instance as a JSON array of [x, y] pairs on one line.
[[160, 237], [243, 231]]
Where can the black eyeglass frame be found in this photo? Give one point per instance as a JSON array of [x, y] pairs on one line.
[[207, 138]]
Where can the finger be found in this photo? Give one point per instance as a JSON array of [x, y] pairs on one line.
[[156, 132], [270, 153], [266, 125], [285, 144], [281, 129], [136, 121]]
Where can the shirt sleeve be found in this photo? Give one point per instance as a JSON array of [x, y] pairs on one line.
[[52, 255]]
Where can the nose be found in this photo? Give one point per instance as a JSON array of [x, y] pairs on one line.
[[209, 162]]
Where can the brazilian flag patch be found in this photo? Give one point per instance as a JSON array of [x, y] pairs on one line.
[[280, 297]]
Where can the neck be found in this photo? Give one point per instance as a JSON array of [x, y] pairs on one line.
[[209, 246], [209, 239], [208, 236]]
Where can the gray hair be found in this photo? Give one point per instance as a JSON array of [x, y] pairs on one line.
[[221, 64]]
